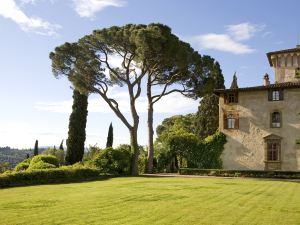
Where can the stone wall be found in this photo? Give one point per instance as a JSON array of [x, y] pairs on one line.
[[245, 147]]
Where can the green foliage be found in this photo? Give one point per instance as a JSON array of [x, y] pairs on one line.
[[47, 176], [4, 166], [175, 125], [61, 146], [110, 136], [77, 124], [36, 148], [114, 161], [41, 166], [42, 161], [21, 166], [234, 84], [207, 117], [241, 173], [58, 153]]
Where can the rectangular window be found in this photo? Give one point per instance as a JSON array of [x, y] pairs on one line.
[[231, 97], [275, 95], [275, 119], [273, 151]]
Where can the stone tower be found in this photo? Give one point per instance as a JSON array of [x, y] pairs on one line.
[[286, 64]]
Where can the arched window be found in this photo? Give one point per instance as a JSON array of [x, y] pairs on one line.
[[275, 119], [231, 121]]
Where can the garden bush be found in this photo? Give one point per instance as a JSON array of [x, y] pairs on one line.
[[47, 176], [241, 173], [114, 161], [42, 162], [23, 165]]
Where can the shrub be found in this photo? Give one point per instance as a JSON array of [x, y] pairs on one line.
[[42, 162], [41, 165], [23, 165], [113, 161], [241, 173], [47, 176], [58, 153]]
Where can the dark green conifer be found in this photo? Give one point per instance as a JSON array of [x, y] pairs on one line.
[[234, 84], [61, 147], [36, 148], [77, 124], [110, 136]]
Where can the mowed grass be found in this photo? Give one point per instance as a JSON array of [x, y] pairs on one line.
[[154, 200]]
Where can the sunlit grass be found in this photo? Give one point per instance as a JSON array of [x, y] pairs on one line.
[[146, 200]]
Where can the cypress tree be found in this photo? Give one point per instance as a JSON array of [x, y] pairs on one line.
[[234, 84], [77, 124], [61, 147], [36, 148], [207, 116], [110, 136]]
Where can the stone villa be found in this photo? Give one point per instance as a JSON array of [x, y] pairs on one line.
[[262, 123]]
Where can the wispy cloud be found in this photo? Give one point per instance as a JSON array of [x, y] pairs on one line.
[[222, 42], [88, 8], [10, 10], [244, 31], [165, 105], [231, 39]]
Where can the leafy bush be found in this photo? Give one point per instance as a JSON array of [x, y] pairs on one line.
[[43, 161], [114, 161], [58, 153], [41, 165], [241, 173], [47, 176], [23, 165]]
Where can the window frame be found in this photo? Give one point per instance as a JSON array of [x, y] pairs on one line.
[[231, 121], [276, 119], [275, 97], [231, 97]]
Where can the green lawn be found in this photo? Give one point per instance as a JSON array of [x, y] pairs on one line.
[[146, 200]]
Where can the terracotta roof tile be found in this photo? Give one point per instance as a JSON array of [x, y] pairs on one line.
[[256, 88]]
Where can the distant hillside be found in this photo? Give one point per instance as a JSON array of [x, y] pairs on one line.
[[13, 156]]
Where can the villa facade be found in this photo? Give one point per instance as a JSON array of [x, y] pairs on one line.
[[262, 123]]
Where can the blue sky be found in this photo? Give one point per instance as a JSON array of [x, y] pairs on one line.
[[35, 105]]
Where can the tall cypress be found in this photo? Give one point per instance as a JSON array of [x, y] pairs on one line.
[[110, 136], [36, 148], [61, 146], [207, 116], [77, 124], [234, 84]]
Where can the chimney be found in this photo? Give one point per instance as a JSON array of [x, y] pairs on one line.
[[266, 80]]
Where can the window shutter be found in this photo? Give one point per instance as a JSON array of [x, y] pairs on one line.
[[271, 117], [225, 121], [270, 95], [280, 119], [236, 97], [236, 121], [281, 94], [225, 98]]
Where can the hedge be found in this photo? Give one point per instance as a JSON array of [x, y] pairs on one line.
[[241, 173], [48, 176]]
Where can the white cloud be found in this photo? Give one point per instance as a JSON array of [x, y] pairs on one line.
[[10, 10], [222, 42], [243, 31], [88, 8], [165, 105]]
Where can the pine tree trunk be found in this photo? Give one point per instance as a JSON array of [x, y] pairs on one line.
[[150, 139], [150, 128], [135, 150]]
